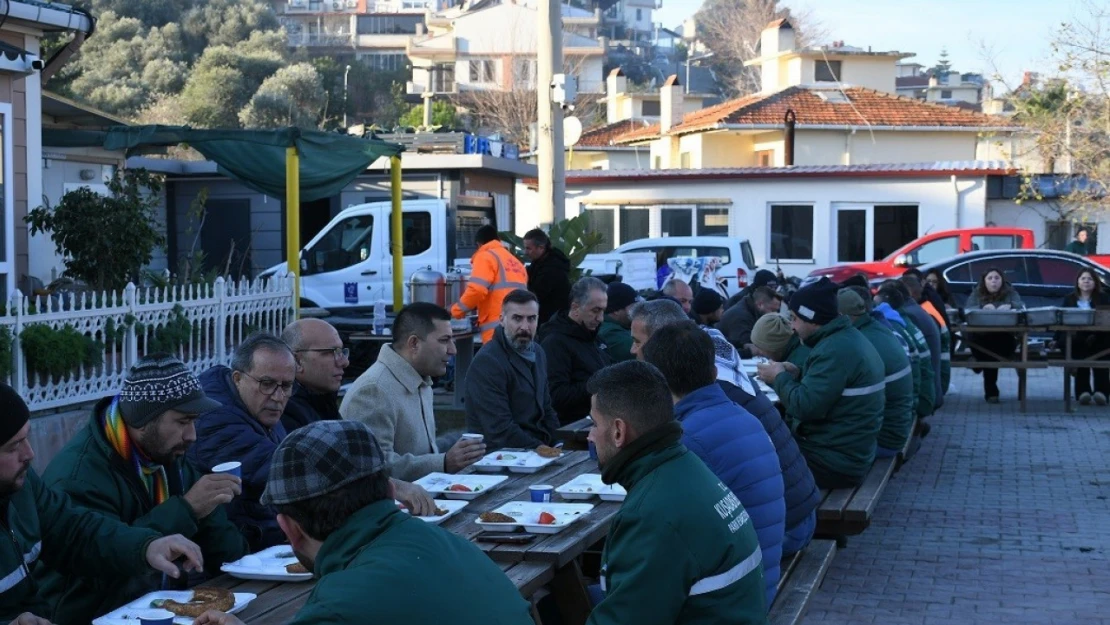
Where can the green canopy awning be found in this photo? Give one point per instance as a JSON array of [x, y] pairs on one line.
[[328, 161]]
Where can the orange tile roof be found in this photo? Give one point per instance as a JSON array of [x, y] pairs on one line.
[[603, 136], [868, 106]]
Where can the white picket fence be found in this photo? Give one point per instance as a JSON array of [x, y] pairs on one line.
[[221, 315]]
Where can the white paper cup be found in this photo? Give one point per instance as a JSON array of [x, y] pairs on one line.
[[473, 437]]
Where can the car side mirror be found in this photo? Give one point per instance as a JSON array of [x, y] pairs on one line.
[[901, 260]]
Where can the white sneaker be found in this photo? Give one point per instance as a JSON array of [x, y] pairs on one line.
[[1085, 399], [1100, 399]]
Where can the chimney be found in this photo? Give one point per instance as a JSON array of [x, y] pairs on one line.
[[671, 104], [615, 85], [777, 37]]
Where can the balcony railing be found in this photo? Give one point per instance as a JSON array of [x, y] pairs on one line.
[[342, 40]]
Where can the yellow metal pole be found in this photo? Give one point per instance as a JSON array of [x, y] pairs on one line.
[[397, 249], [293, 222]]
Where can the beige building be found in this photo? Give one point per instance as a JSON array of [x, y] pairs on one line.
[[845, 109]]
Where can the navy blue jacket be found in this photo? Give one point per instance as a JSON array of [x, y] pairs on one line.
[[736, 448], [802, 495], [231, 434]]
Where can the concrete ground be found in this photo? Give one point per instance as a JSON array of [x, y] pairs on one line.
[[1002, 518]]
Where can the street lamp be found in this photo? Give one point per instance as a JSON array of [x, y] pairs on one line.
[[345, 72], [688, 61]]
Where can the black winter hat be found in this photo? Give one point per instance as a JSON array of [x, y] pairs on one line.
[[816, 303], [706, 301], [764, 277], [13, 413]]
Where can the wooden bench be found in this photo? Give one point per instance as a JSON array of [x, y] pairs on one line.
[[904, 453], [847, 511], [574, 434], [802, 574]]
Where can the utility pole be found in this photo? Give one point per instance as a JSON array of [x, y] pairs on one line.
[[552, 162], [345, 72]]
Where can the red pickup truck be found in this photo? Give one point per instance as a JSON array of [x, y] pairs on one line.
[[937, 246]]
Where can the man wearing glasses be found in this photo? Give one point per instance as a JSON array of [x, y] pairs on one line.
[[247, 427], [321, 360]]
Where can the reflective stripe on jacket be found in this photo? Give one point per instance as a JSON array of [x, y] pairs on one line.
[[494, 273]]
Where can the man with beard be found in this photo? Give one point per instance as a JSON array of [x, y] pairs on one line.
[[394, 396], [43, 524], [574, 352], [372, 562], [548, 273], [737, 322], [682, 548], [128, 464], [506, 394]]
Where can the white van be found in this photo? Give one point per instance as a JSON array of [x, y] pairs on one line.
[[738, 261], [349, 265]]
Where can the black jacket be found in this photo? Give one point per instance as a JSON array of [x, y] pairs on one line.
[[573, 355], [1084, 344], [549, 279], [737, 323], [306, 407], [507, 398]]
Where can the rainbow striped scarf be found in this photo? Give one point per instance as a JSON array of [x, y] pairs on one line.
[[152, 474]]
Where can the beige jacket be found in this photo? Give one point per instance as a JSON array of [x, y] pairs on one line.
[[396, 403]]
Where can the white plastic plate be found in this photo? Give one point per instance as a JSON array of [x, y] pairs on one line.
[[589, 485], [451, 507], [515, 460], [527, 515], [267, 565], [128, 614], [476, 485]]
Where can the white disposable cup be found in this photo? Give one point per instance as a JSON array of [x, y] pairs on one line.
[[474, 437]]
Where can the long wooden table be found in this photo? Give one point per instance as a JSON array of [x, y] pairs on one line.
[[549, 559], [1023, 361]]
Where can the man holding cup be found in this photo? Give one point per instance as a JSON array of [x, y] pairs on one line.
[[128, 464]]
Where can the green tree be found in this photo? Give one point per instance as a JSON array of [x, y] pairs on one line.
[[223, 82], [293, 96], [105, 240], [443, 115]]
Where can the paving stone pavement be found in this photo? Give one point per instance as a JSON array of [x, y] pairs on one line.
[[1001, 518]]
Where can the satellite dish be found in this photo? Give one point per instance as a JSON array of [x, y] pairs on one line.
[[572, 131]]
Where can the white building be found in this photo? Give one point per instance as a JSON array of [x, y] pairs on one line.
[[375, 32], [799, 218], [493, 47]]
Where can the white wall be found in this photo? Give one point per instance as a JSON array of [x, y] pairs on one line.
[[1034, 215], [751, 200]]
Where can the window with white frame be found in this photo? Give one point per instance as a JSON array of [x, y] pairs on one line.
[[386, 62], [524, 72], [791, 232], [623, 224], [483, 71]]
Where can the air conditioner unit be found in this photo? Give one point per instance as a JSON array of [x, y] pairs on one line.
[[352, 4], [336, 5]]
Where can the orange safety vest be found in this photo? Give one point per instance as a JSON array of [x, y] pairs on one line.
[[934, 313], [494, 273]]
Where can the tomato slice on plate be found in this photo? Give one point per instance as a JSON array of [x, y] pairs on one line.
[[546, 518]]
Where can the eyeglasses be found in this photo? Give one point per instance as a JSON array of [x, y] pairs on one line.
[[338, 353], [267, 386]]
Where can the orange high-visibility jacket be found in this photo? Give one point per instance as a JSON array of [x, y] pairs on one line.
[[934, 313], [494, 273]]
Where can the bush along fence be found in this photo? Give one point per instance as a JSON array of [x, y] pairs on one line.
[[75, 348]]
